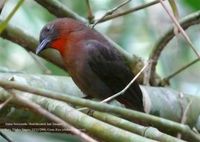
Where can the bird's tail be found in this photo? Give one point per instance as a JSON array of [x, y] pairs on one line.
[[133, 98]]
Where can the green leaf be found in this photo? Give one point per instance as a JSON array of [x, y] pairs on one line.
[[4, 24], [194, 4]]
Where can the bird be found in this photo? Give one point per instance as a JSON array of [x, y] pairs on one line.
[[96, 67]]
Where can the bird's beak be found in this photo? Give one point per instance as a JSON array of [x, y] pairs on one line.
[[42, 45]]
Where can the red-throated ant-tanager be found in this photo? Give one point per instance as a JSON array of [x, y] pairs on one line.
[[96, 67]]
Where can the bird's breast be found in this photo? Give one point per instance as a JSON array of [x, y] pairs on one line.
[[84, 77]]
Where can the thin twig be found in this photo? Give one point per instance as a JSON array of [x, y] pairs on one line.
[[122, 91], [174, 8], [176, 14], [2, 105], [110, 12], [38, 109], [2, 3], [195, 130], [5, 137], [129, 84], [184, 117], [180, 28], [128, 11], [181, 69], [160, 45], [90, 13], [5, 22]]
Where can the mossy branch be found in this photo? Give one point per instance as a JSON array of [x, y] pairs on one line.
[[163, 124], [94, 127]]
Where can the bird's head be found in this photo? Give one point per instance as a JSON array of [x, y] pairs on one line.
[[56, 33]]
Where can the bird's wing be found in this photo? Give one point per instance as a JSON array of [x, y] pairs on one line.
[[109, 65]]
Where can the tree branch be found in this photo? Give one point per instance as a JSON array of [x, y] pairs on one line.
[[5, 137], [163, 124], [2, 3], [92, 126], [59, 10], [186, 22], [38, 109], [148, 132], [131, 10], [16, 35]]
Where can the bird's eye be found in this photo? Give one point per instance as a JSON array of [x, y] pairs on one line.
[[48, 28]]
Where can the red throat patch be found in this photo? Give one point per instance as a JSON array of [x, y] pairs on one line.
[[59, 44]]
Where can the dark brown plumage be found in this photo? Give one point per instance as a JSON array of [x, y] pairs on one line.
[[97, 68]]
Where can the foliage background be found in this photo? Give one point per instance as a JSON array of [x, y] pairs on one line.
[[137, 33]]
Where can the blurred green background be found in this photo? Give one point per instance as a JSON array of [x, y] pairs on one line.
[[137, 33]]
